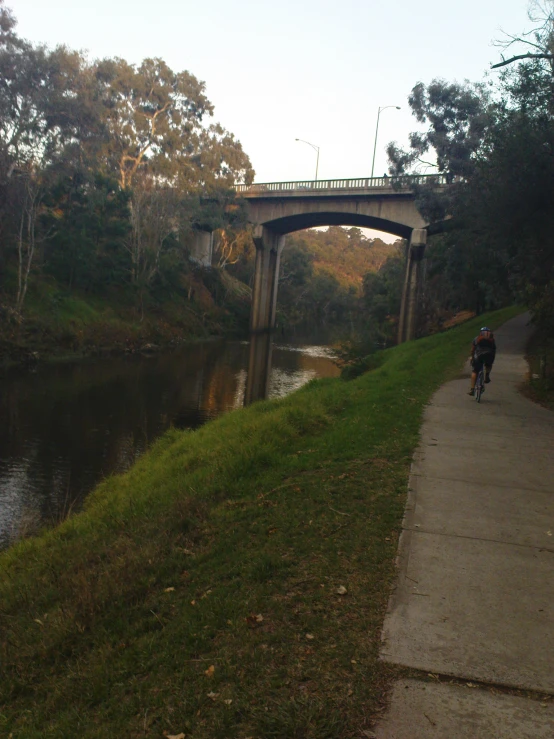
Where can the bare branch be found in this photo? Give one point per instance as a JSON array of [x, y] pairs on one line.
[[504, 62], [511, 40], [428, 164]]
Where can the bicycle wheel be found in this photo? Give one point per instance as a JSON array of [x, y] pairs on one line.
[[479, 386]]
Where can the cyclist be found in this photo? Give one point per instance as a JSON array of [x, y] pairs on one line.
[[483, 352]]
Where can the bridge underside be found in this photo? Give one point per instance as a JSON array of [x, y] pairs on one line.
[[269, 246], [301, 221], [382, 204], [393, 213], [275, 216]]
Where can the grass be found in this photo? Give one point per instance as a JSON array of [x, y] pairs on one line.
[[199, 592]]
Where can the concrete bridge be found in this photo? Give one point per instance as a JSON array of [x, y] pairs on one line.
[[278, 208]]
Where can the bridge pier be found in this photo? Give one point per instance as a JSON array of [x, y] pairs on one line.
[[202, 248], [269, 246], [413, 283]]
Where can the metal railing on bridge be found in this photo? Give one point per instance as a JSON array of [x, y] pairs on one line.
[[367, 183]]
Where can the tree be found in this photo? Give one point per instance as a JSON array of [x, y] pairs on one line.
[[39, 118], [31, 197], [155, 216], [39, 108], [296, 266], [106, 169], [382, 292], [91, 222], [231, 245], [152, 136], [458, 118], [153, 125], [499, 146]]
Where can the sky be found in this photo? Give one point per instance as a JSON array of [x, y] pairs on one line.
[[278, 70]]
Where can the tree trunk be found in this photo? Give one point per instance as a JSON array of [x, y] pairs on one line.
[[26, 246]]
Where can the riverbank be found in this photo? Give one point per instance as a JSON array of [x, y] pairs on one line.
[[58, 324], [234, 582]]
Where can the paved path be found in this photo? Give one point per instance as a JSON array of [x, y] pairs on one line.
[[475, 591]]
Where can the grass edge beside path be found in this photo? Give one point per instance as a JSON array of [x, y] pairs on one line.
[[233, 583]]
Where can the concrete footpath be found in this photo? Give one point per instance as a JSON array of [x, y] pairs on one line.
[[475, 592]]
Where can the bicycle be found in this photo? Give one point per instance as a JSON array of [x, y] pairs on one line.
[[480, 384]]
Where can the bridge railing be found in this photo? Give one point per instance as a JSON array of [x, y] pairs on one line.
[[305, 186]]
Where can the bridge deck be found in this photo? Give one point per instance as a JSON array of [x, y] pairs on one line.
[[360, 186]]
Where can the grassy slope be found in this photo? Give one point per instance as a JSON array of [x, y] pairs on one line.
[[198, 592]]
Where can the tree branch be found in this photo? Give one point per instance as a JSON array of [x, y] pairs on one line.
[[504, 62]]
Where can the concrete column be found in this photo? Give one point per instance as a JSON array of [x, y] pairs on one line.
[[259, 367], [413, 285], [269, 246], [404, 301], [202, 248]]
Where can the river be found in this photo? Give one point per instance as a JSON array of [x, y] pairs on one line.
[[63, 427]]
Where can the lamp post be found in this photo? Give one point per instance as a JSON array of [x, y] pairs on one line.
[[316, 148], [377, 130]]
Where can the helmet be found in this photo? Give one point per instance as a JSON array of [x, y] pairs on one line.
[[485, 328]]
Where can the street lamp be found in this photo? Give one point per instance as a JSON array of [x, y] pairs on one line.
[[376, 131], [316, 148]]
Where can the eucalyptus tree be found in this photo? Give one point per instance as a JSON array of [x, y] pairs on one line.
[[154, 123], [154, 137]]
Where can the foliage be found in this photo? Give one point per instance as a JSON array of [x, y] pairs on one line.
[[185, 598], [321, 275], [496, 144], [382, 290], [540, 355], [377, 326], [321, 271], [106, 171], [344, 252], [89, 222], [457, 116], [151, 119]]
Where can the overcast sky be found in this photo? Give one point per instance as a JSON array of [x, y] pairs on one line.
[[284, 69]]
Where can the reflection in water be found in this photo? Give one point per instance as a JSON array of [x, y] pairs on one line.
[[264, 381], [259, 368], [65, 427]]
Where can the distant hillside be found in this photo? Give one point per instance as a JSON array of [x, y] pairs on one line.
[[344, 252]]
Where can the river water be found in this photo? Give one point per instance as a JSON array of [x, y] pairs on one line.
[[63, 427]]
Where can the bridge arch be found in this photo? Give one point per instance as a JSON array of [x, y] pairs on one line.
[[302, 221], [381, 203], [269, 247]]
